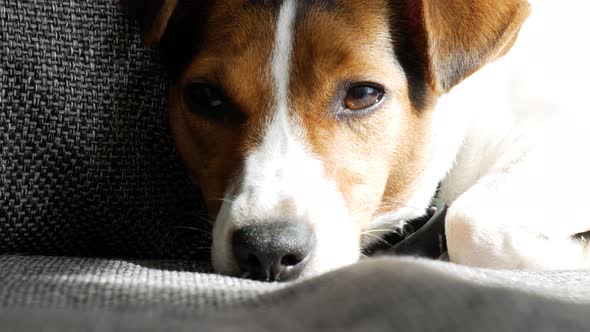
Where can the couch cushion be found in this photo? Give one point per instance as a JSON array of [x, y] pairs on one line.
[[61, 294], [87, 164]]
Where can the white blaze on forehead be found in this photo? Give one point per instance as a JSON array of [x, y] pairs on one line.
[[273, 172], [283, 48], [283, 181]]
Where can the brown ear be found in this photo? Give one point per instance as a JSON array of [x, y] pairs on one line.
[[152, 15], [461, 36]]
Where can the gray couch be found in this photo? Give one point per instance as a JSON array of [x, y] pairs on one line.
[[88, 169]]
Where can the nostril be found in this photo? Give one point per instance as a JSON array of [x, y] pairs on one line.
[[273, 251], [291, 260], [252, 261]]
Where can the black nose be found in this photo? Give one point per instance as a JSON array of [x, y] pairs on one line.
[[273, 251]]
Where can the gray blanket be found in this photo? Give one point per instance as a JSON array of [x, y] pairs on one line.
[[73, 294]]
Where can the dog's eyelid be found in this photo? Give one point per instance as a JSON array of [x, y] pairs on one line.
[[203, 83], [360, 80], [200, 80]]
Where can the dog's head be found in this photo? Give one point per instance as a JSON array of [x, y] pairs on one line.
[[307, 124]]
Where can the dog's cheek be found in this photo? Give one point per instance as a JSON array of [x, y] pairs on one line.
[[214, 178], [365, 164], [206, 150]]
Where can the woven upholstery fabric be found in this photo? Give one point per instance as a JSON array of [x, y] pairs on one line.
[[87, 163], [73, 294], [119, 285]]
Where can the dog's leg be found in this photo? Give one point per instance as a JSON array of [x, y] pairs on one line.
[[528, 208], [505, 221]]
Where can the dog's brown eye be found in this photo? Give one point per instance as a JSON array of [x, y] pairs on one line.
[[202, 97], [211, 102], [361, 97]]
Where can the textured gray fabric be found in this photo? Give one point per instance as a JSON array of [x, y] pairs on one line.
[[84, 283], [87, 164], [61, 294]]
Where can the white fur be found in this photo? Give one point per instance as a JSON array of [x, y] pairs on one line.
[[519, 186], [277, 178]]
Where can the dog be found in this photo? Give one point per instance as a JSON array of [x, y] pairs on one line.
[[315, 127]]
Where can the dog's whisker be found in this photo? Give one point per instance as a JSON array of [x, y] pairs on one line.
[[206, 219], [398, 204], [205, 249], [193, 229], [379, 239], [373, 231], [222, 199], [391, 205], [393, 223]]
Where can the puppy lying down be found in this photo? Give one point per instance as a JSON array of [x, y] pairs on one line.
[[314, 128]]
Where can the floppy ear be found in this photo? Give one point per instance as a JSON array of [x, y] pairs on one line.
[[461, 36], [152, 15]]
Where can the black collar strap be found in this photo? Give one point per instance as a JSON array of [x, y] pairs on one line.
[[424, 237]]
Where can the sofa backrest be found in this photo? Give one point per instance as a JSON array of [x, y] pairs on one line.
[[87, 163]]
